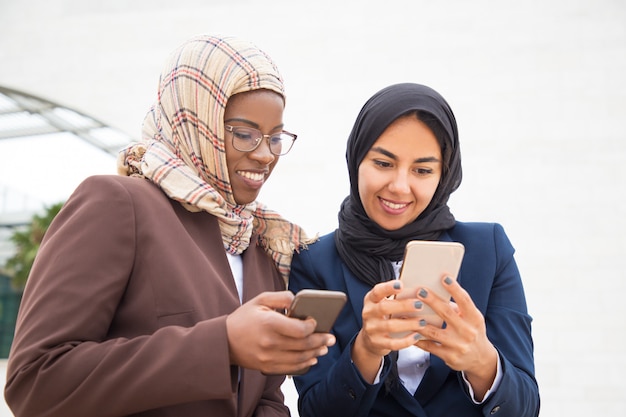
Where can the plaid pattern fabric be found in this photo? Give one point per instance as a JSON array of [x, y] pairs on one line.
[[182, 148]]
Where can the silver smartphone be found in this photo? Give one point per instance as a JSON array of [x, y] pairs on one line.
[[323, 305], [425, 265]]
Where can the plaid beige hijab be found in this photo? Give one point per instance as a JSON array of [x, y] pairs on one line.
[[182, 149]]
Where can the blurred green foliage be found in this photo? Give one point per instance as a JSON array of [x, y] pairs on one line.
[[27, 243]]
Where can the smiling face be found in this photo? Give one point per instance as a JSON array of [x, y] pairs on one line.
[[400, 174], [248, 171]]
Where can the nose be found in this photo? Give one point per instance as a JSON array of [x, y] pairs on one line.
[[400, 183], [262, 152]]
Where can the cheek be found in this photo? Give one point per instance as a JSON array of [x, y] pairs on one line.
[[272, 166], [230, 167], [363, 183], [427, 190]]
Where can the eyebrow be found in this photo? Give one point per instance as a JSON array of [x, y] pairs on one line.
[[251, 123], [394, 157]]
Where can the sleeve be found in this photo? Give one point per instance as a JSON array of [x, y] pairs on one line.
[[494, 386], [64, 363], [509, 329], [334, 386], [272, 402]]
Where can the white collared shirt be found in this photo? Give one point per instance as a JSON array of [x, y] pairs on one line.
[[236, 266]]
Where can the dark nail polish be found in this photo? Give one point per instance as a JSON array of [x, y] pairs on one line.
[[417, 337], [448, 280], [422, 322], [396, 285], [423, 293], [418, 305]]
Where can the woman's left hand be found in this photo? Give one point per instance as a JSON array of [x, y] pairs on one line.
[[463, 344]]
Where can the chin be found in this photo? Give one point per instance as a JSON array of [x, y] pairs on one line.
[[244, 201], [394, 225]]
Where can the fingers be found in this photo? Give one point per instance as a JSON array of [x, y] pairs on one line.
[[262, 338], [464, 324], [458, 293], [446, 309], [380, 301], [276, 358], [385, 327], [383, 290], [279, 300]]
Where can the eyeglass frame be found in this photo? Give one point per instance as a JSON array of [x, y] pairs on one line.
[[231, 129]]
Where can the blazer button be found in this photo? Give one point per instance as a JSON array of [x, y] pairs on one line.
[[352, 394], [495, 409]]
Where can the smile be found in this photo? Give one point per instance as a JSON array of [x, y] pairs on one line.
[[393, 206], [253, 176]]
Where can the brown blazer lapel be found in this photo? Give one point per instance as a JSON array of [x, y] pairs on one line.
[[259, 275]]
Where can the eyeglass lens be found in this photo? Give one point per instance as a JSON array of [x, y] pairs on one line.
[[246, 139]]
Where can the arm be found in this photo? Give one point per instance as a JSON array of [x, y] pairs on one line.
[[272, 402], [65, 363], [487, 320], [509, 329]]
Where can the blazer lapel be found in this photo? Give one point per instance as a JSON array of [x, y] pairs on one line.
[[435, 376], [356, 292]]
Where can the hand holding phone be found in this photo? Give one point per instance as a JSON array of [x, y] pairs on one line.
[[323, 305], [425, 265]]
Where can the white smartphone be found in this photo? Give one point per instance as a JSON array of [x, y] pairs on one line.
[[425, 265], [323, 305]]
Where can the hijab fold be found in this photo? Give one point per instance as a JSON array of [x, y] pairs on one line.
[[364, 246], [182, 149]]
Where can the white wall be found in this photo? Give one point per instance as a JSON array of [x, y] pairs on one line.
[[538, 88]]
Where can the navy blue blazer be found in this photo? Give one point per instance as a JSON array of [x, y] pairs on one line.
[[334, 387]]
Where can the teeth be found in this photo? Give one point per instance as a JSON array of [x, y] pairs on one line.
[[393, 206], [254, 176]]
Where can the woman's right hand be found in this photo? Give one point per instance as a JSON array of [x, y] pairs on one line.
[[260, 337], [374, 340]]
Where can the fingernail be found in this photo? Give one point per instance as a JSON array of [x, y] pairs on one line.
[[422, 322], [396, 285], [423, 293], [417, 336], [448, 280], [418, 305]]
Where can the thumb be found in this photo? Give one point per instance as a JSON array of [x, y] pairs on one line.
[[275, 300]]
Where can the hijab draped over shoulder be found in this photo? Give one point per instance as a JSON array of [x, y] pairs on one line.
[[364, 246], [182, 148]]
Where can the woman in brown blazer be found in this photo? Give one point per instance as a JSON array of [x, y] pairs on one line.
[[159, 292]]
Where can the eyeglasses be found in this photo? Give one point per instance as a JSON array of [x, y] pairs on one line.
[[247, 139]]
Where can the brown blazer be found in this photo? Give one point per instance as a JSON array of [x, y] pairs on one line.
[[125, 312]]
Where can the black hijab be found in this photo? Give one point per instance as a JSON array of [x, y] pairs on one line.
[[363, 245]]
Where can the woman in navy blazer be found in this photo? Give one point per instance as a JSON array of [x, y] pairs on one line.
[[404, 162]]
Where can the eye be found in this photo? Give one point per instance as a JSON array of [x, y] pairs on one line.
[[382, 164], [243, 134], [424, 171], [276, 139]]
